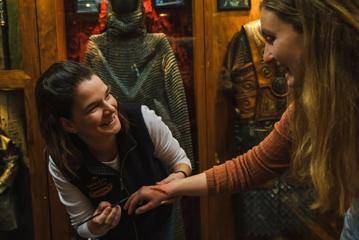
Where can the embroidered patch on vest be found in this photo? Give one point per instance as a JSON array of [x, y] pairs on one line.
[[99, 187]]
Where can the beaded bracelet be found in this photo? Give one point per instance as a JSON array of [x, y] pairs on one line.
[[180, 171]]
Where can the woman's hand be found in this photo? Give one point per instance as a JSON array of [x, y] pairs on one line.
[[150, 196], [154, 196], [107, 219], [171, 177]]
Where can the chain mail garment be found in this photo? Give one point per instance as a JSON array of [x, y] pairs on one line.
[[141, 68]]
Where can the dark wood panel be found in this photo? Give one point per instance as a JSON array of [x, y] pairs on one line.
[[52, 47], [31, 60], [201, 106], [219, 28], [51, 32]]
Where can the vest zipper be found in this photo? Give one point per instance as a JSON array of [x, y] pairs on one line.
[[123, 187]]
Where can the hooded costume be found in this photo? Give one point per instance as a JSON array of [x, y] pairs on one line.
[[141, 68]]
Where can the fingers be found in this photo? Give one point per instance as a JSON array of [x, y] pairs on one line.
[[150, 195], [166, 180], [132, 202], [171, 178], [145, 208], [137, 198], [169, 201], [115, 216], [109, 216], [102, 206]]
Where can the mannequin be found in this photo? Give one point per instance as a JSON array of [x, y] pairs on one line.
[[123, 6], [141, 68]]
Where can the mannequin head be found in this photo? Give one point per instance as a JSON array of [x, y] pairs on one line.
[[124, 6]]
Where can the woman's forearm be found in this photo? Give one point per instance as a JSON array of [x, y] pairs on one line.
[[195, 185]]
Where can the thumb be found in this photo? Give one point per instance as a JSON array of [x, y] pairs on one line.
[[102, 206], [164, 181]]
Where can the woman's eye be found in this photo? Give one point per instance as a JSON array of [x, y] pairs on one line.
[[92, 109], [269, 39]]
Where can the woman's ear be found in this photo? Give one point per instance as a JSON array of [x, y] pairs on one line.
[[68, 125]]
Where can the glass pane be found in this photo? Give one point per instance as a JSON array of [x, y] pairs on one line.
[[88, 18], [175, 21], [10, 53], [15, 195], [256, 94]]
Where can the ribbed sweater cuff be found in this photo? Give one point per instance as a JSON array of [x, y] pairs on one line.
[[211, 186]]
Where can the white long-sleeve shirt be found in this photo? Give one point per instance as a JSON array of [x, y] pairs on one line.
[[166, 149]]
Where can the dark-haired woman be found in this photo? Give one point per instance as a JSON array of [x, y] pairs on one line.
[[101, 152]]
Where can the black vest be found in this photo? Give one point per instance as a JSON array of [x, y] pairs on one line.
[[138, 167]]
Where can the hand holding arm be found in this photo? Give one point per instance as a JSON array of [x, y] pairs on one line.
[[180, 171], [153, 196]]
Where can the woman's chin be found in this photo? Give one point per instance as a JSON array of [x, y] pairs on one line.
[[290, 80]]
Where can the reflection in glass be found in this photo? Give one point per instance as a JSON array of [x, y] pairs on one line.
[[15, 196], [176, 23], [10, 43]]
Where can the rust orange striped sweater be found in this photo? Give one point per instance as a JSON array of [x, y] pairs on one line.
[[263, 162]]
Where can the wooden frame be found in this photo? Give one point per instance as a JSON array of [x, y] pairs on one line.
[[20, 80], [25, 79], [168, 3], [52, 47], [230, 5], [212, 33], [201, 106]]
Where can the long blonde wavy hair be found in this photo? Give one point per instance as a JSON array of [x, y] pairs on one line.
[[326, 117]]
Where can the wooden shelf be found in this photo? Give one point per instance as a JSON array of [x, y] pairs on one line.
[[14, 79]]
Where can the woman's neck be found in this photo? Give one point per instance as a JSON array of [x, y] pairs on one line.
[[104, 151]]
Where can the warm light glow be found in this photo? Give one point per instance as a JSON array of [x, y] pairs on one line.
[[88, 5], [163, 14]]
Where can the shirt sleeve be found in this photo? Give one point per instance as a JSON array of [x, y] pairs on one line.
[[77, 205], [166, 147], [263, 162]]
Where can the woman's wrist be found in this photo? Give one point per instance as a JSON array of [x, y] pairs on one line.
[[183, 169], [181, 172]]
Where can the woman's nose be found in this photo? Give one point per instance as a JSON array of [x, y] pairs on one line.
[[109, 108], [267, 54]]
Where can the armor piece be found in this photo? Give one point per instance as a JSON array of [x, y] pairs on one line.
[[141, 68], [8, 167], [259, 88]]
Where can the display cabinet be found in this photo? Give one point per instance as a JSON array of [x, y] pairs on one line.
[[199, 34], [216, 117], [20, 68]]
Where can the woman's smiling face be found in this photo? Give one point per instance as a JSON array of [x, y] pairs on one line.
[[283, 45], [94, 113]]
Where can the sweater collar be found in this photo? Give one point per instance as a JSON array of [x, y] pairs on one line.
[[127, 25]]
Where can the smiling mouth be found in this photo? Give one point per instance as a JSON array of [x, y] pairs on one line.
[[110, 122]]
